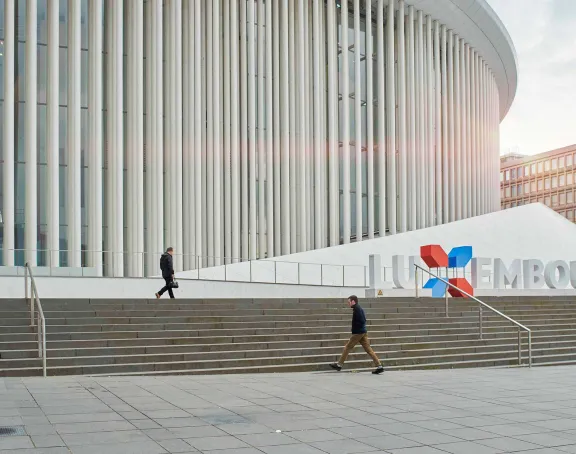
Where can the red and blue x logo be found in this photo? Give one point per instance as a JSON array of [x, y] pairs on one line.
[[434, 256]]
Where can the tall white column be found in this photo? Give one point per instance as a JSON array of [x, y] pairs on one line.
[[473, 147], [293, 127], [381, 74], [52, 136], [31, 152], [430, 127], [446, 190], [270, 181], [227, 144], [209, 173], [244, 128], [438, 126], [411, 117], [154, 139], [317, 119], [477, 138], [285, 125], [189, 71], [345, 124], [115, 150], [358, 118], [333, 183], [457, 162], [262, 133], [402, 110], [463, 107], [94, 197], [217, 141], [234, 132], [451, 128], [8, 142], [469, 151], [421, 159], [370, 118], [252, 95], [73, 137], [135, 142], [391, 118], [276, 7]]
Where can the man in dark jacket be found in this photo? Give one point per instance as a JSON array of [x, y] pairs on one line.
[[167, 267], [359, 336]]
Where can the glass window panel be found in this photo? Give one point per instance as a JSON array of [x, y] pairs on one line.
[[527, 188], [561, 162], [554, 200], [508, 191], [514, 191], [569, 179], [526, 171], [533, 186], [569, 197], [540, 167], [540, 185], [563, 198], [533, 169], [547, 201], [554, 182], [569, 160], [562, 180], [513, 174], [546, 183], [554, 163], [546, 166]]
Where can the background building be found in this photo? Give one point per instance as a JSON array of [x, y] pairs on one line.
[[547, 178], [246, 129]]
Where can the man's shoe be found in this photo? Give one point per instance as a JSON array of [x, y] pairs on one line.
[[157, 295], [378, 370], [336, 366]]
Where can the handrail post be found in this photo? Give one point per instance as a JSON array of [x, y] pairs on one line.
[[480, 321], [519, 347], [529, 348], [446, 303], [44, 347], [416, 281]]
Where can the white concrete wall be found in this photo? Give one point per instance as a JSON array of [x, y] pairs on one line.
[[94, 287]]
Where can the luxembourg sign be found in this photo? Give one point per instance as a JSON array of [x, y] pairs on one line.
[[483, 273]]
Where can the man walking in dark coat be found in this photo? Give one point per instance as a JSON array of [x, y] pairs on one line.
[[359, 336], [167, 267]]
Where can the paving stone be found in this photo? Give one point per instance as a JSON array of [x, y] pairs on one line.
[[267, 439], [123, 436], [508, 444], [137, 447], [16, 442], [343, 446], [175, 446], [468, 447], [388, 442], [214, 443], [47, 441]]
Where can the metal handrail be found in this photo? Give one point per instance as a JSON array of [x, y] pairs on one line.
[[482, 305], [34, 299]]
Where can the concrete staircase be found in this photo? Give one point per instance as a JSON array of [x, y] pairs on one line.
[[106, 337]]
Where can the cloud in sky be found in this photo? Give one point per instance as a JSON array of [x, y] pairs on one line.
[[543, 115]]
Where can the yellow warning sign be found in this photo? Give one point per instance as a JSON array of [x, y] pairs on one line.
[[380, 293]]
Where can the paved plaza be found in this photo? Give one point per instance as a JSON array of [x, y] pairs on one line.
[[474, 411]]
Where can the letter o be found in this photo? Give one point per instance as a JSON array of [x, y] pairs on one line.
[[563, 274]]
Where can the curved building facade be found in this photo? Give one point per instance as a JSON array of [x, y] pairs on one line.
[[242, 129]]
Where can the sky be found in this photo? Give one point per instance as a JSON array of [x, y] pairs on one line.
[[543, 115]]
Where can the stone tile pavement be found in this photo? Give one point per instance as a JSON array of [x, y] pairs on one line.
[[476, 411]]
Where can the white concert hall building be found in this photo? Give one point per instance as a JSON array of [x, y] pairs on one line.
[[242, 129]]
